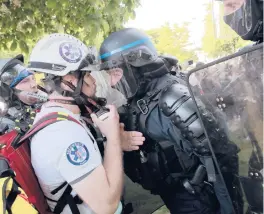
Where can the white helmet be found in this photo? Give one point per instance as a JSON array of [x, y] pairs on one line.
[[59, 54]]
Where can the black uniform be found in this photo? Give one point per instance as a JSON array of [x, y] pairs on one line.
[[172, 158], [175, 162]]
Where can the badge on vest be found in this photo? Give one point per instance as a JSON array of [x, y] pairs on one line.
[[77, 154]]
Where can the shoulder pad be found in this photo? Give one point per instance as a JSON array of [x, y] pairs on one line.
[[172, 97], [176, 103]]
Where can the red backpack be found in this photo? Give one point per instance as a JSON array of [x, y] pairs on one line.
[[16, 149]]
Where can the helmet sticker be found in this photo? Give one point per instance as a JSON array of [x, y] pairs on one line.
[[77, 154], [70, 52]]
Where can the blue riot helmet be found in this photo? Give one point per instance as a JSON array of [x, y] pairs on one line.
[[123, 56], [9, 69], [17, 84]]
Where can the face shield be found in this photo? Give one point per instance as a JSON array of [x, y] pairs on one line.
[[22, 83], [122, 79], [14, 75], [122, 72], [104, 89], [79, 91]]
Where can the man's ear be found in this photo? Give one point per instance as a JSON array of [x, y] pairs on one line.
[[116, 75]]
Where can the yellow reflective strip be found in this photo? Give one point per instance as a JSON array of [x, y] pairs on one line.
[[62, 113], [17, 121], [59, 118], [32, 118], [29, 125]]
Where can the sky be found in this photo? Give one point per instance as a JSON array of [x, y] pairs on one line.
[[155, 13]]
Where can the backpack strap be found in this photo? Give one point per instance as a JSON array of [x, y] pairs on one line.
[[13, 194], [5, 208], [53, 192], [10, 199], [66, 198], [45, 121]]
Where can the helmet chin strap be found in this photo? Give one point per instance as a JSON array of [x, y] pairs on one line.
[[84, 102], [67, 102]]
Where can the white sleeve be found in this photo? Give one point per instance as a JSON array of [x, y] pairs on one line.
[[79, 156]]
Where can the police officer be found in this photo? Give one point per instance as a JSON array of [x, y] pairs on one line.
[[245, 17], [19, 94], [175, 161], [65, 156]]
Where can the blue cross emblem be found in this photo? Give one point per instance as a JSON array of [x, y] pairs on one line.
[[77, 154], [70, 52]]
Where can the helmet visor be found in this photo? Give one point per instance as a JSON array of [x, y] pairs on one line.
[[121, 69], [104, 89], [14, 75], [122, 79]]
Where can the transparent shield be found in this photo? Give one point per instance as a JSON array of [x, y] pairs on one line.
[[121, 77], [232, 89], [14, 75], [105, 90]]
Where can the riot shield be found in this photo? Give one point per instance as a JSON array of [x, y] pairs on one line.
[[231, 89]]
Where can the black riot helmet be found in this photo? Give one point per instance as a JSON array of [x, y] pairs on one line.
[[245, 17], [123, 54], [16, 87], [11, 72], [6, 80]]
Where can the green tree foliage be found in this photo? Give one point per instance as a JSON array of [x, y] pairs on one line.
[[173, 41], [226, 42], [23, 22]]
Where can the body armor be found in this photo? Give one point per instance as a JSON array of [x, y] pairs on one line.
[[167, 162]]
